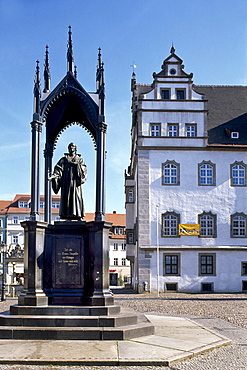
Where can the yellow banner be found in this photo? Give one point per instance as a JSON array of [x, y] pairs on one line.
[[189, 229]]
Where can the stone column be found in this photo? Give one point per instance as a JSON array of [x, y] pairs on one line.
[[100, 173], [33, 294], [36, 132]]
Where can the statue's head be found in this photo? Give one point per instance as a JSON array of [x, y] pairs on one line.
[[72, 148]]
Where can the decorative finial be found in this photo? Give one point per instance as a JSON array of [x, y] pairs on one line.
[[172, 51], [47, 75], [75, 73], [70, 57]]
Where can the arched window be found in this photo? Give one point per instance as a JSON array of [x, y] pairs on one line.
[[207, 223], [171, 173], [238, 225], [170, 221], [238, 174], [206, 173]]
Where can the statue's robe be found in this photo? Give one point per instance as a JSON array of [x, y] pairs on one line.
[[70, 173]]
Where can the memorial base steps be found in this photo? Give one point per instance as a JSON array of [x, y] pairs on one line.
[[71, 323]]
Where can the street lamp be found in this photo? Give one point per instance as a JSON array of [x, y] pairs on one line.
[[3, 252]]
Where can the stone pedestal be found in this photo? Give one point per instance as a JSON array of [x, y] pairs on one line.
[[76, 267], [33, 293], [97, 291]]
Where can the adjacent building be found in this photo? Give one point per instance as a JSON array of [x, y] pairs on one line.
[[186, 208], [13, 213]]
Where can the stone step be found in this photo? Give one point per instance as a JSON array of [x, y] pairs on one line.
[[68, 321], [65, 310], [76, 333]]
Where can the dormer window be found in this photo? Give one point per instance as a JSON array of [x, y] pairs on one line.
[[180, 94], [234, 135], [165, 94], [23, 204]]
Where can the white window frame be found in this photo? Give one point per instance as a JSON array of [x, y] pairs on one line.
[[207, 222], [172, 130], [234, 135], [238, 225], [115, 261], [55, 205], [206, 174], [238, 174], [115, 246], [170, 222], [155, 129], [171, 173], [15, 239], [15, 220], [23, 204], [190, 130]]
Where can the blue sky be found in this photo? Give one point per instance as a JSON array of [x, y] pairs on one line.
[[209, 35]]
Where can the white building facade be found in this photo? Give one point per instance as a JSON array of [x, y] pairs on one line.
[[187, 171]]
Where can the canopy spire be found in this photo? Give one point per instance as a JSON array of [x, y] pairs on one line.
[[36, 92], [100, 84], [70, 57], [47, 75]]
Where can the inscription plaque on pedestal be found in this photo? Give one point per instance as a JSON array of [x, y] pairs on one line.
[[68, 262]]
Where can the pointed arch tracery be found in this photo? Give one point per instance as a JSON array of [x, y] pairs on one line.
[[65, 108]]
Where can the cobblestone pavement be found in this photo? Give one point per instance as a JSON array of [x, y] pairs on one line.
[[223, 313]]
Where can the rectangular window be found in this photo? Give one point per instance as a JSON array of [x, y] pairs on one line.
[[190, 130], [180, 93], [118, 231], [171, 264], [1, 222], [207, 287], [23, 204], [165, 94], [207, 264], [172, 130], [115, 246], [15, 239], [123, 261], [154, 130], [41, 204], [171, 287], [234, 134], [115, 261], [123, 247], [130, 237], [15, 220], [244, 268], [55, 205]]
